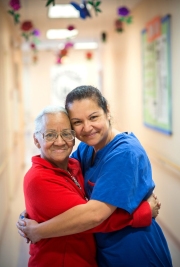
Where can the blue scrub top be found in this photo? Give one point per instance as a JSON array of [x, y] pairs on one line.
[[121, 176]]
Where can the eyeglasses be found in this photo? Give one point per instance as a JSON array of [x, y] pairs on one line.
[[66, 135]]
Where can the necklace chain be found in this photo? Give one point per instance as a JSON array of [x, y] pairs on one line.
[[76, 183], [74, 180]]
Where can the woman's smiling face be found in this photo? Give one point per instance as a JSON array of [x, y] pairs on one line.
[[58, 151], [90, 122]]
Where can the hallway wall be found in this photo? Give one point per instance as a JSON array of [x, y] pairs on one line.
[[118, 64], [12, 130], [123, 86]]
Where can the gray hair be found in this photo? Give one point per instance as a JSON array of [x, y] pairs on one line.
[[47, 110]]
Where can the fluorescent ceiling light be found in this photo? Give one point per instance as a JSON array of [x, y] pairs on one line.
[[61, 34], [87, 45], [63, 11]]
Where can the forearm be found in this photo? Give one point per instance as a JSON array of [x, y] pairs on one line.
[[75, 220]]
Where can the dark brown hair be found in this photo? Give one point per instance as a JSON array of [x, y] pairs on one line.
[[84, 92]]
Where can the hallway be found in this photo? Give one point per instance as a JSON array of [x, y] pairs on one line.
[[138, 76], [14, 252]]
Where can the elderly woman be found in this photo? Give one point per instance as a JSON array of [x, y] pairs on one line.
[[55, 184]]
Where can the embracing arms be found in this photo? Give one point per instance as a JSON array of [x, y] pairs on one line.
[[94, 215]]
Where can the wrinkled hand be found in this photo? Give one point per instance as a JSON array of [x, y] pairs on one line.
[[23, 215], [27, 229], [21, 223], [154, 204]]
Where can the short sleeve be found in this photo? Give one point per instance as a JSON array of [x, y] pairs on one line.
[[124, 180]]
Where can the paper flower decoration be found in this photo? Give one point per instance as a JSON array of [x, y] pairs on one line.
[[33, 46], [95, 5], [34, 59], [124, 13], [103, 37], [34, 52], [26, 28], [68, 45], [15, 5], [70, 27], [35, 36], [82, 8], [62, 53], [119, 25], [50, 2], [89, 55], [36, 32], [58, 60]]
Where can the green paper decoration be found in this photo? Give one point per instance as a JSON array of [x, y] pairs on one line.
[[50, 2], [95, 5], [16, 16], [128, 20]]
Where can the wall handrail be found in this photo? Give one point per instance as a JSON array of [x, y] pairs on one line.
[[163, 160]]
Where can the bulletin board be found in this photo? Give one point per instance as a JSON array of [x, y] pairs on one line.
[[156, 55]]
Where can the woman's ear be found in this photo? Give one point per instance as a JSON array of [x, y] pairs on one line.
[[108, 112], [36, 142]]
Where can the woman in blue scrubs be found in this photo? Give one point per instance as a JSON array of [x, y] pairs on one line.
[[117, 173]]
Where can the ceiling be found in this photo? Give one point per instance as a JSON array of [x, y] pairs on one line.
[[89, 29]]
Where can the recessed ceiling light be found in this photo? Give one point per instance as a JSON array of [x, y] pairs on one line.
[[61, 33], [63, 11], [87, 45]]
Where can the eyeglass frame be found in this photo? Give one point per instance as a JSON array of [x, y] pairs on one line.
[[57, 134]]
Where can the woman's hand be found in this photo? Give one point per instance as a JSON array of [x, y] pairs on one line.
[[154, 204], [28, 229], [23, 215], [22, 223]]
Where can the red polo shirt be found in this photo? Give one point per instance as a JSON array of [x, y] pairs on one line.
[[48, 192]]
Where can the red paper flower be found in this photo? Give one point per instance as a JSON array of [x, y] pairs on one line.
[[15, 4], [33, 46], [119, 25], [26, 26], [89, 55], [70, 27], [63, 52]]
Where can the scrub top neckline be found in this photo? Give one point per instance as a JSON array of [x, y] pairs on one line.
[[100, 151]]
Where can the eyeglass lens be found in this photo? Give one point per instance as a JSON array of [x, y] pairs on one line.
[[66, 135]]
